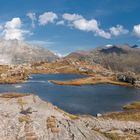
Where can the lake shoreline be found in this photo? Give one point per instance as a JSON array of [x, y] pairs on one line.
[[97, 74], [90, 81]]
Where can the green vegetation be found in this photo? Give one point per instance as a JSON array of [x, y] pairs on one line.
[[132, 106]]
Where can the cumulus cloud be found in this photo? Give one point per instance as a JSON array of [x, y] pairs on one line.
[[79, 22], [103, 34], [71, 17], [47, 17], [14, 23], [118, 30], [13, 30], [32, 17], [136, 30], [85, 25]]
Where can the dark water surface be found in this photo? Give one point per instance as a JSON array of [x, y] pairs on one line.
[[87, 99]]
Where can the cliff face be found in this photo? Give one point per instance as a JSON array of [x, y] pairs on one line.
[[120, 58], [27, 117], [18, 52]]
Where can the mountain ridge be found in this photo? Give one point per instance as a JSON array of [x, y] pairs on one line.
[[115, 57], [19, 52]]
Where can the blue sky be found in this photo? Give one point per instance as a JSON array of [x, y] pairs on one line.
[[68, 25]]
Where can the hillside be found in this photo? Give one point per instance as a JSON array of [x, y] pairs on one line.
[[18, 52], [120, 58]]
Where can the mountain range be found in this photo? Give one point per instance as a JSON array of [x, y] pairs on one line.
[[19, 52], [115, 57]]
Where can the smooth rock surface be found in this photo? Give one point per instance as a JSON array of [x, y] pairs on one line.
[[29, 118]]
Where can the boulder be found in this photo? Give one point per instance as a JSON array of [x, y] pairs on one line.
[[124, 77], [137, 83]]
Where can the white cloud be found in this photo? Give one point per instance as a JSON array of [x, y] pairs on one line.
[[78, 22], [91, 26], [118, 30], [86, 25], [136, 30], [13, 30], [59, 54], [47, 17], [103, 34], [71, 17], [32, 16], [61, 22], [14, 23]]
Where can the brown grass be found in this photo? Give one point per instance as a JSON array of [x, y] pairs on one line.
[[52, 124], [55, 130], [71, 116], [24, 118], [90, 80], [14, 79], [13, 95], [21, 102], [114, 136], [3, 68], [123, 116]]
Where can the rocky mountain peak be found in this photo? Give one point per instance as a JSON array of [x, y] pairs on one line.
[[18, 52]]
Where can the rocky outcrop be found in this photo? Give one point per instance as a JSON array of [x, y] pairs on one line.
[[129, 77], [14, 74], [27, 117], [123, 77], [137, 83]]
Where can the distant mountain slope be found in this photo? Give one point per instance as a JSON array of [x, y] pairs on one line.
[[18, 52], [118, 58]]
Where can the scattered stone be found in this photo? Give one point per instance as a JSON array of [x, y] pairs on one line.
[[99, 115], [27, 111], [126, 78]]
